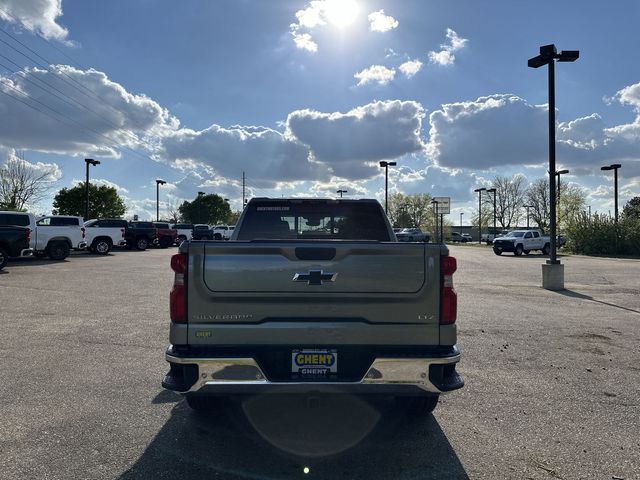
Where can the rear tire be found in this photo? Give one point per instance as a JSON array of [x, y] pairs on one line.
[[165, 242], [418, 405], [101, 246], [527, 252], [203, 403], [58, 250], [546, 249], [4, 258], [497, 251], [142, 243], [518, 251]]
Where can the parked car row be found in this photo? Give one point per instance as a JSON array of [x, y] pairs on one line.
[[201, 231], [55, 236]]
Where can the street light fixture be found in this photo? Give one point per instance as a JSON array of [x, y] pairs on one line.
[[341, 192], [386, 166], [548, 56], [479, 192], [88, 161], [158, 183], [615, 168]]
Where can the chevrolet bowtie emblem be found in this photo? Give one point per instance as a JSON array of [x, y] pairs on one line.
[[315, 277]]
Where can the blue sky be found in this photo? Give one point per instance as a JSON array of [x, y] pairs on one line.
[[307, 97]]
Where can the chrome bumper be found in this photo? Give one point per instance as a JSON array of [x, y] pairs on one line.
[[219, 373], [26, 252], [82, 245]]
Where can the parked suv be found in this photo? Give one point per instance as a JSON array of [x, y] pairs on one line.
[[52, 236], [105, 233]]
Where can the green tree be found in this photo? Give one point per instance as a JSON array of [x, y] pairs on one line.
[[632, 209], [210, 209], [233, 217], [104, 202], [571, 204]]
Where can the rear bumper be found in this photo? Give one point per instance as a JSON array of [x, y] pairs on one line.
[[428, 373], [26, 252]]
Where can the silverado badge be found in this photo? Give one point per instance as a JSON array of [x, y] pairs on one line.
[[315, 277]]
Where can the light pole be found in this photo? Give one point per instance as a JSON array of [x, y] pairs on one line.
[[386, 166], [435, 211], [479, 192], [615, 168], [461, 214], [341, 192], [528, 207], [548, 56], [494, 191], [558, 173], [88, 161], [158, 183]]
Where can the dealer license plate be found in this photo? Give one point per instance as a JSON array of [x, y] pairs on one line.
[[314, 362]]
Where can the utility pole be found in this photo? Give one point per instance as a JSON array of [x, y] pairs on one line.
[[88, 161], [158, 183], [494, 191], [479, 192], [243, 190], [386, 166]]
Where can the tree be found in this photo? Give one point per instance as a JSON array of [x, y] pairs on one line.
[[632, 209], [510, 197], [104, 202], [572, 202], [173, 210], [23, 184], [411, 210], [210, 209], [233, 217]]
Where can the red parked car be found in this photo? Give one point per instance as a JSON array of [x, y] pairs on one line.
[[165, 235]]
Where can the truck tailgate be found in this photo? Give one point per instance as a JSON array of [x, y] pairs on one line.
[[370, 282]]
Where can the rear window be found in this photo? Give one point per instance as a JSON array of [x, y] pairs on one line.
[[183, 226], [11, 219], [314, 220], [59, 222], [201, 227], [142, 224], [162, 225]]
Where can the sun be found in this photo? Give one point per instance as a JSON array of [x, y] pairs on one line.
[[341, 13]]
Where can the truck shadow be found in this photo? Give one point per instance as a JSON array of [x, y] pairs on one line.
[[277, 436]]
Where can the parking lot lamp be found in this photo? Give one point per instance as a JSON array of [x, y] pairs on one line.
[[158, 183], [615, 168], [479, 192], [341, 192], [88, 161], [386, 166], [461, 214], [548, 56], [494, 191], [528, 207]]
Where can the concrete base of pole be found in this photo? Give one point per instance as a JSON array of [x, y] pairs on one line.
[[553, 276]]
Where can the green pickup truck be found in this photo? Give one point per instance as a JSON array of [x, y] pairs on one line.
[[313, 295]]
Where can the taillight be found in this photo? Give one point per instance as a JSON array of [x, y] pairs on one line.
[[448, 296], [178, 295], [82, 229], [122, 230], [28, 234]]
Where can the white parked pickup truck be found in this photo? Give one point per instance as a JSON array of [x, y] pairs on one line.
[[104, 233], [522, 241], [52, 236], [222, 232]]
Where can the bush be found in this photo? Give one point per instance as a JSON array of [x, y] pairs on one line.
[[597, 235]]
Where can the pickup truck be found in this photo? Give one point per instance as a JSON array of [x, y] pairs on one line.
[[105, 233], [52, 236], [522, 241], [165, 235], [202, 232], [222, 232], [184, 232], [14, 242], [313, 295], [413, 235], [140, 235]]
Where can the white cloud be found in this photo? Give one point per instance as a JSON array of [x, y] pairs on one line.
[[304, 41], [375, 73], [37, 16], [264, 153], [110, 117], [379, 22], [318, 13], [410, 68], [101, 182], [351, 143], [52, 171], [445, 56]]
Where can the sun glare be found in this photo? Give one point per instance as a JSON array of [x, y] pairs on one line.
[[341, 13]]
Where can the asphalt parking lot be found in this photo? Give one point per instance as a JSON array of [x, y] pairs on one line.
[[553, 384]]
